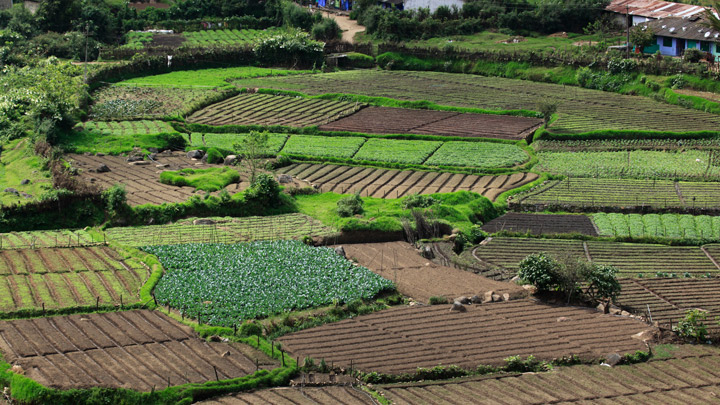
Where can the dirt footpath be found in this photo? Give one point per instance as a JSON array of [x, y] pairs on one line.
[[349, 27]]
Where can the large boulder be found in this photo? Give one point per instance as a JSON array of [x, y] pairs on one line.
[[103, 168], [456, 306], [230, 160], [24, 182], [463, 300], [341, 251], [427, 252], [284, 178], [195, 154], [203, 221], [11, 191]]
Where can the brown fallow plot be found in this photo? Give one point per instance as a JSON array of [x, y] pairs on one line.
[[402, 339], [141, 350], [344, 395], [384, 183], [666, 300], [420, 278], [385, 120], [142, 182], [689, 378], [538, 224]]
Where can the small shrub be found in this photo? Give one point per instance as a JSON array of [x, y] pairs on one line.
[[693, 325], [693, 55], [541, 270], [438, 300], [350, 205], [251, 328], [395, 299], [214, 156], [264, 190], [678, 81], [326, 30], [476, 234], [419, 201], [360, 60], [115, 198]]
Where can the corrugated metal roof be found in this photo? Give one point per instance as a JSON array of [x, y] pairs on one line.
[[654, 8], [683, 28]]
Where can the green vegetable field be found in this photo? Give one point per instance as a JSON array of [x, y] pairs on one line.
[[127, 128], [228, 141], [396, 151], [477, 154], [321, 146], [225, 284], [226, 37], [658, 225]]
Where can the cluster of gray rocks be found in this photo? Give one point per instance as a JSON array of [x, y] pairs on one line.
[[18, 193], [489, 296]]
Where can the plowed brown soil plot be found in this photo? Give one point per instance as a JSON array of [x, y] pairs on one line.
[[670, 298], [298, 396], [141, 350], [383, 183], [691, 379], [420, 278], [402, 339], [68, 277], [384, 120], [142, 183], [265, 109], [538, 224]]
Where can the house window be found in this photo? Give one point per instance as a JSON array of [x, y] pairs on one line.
[[705, 46], [667, 42]]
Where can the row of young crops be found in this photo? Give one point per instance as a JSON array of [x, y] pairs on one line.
[[226, 284], [128, 128], [430, 153], [658, 225], [227, 36]]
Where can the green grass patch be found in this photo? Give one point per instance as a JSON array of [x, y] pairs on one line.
[[18, 162], [212, 179], [225, 284], [460, 209], [321, 146], [207, 77], [93, 142], [477, 154]]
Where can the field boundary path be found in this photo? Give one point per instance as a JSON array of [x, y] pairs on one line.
[[349, 27]]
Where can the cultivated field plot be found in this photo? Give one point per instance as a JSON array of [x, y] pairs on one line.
[[127, 101], [639, 164], [221, 230], [383, 183], [384, 120], [43, 239], [228, 141], [670, 298], [226, 37], [397, 151], [299, 396], [402, 339], [477, 154], [265, 109], [140, 350], [420, 278], [128, 128], [538, 224], [67, 277], [579, 109], [690, 379], [587, 193], [142, 182], [323, 146], [661, 225], [631, 259], [226, 284], [587, 145]]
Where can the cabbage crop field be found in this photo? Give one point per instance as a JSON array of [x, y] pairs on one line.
[[127, 128], [397, 151], [658, 225], [226, 37], [226, 284], [477, 154]]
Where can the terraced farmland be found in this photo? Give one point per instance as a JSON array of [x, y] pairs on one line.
[[420, 278], [226, 37], [265, 109], [140, 350], [690, 379], [631, 259], [344, 395], [384, 120], [660, 225], [397, 151], [144, 127], [402, 339], [142, 182], [67, 277], [323, 146], [579, 110], [539, 224], [222, 230], [477, 154], [669, 298], [228, 141], [626, 194], [44, 239], [383, 183]]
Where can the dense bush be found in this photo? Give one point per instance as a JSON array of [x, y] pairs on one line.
[[264, 190], [350, 205], [419, 201], [290, 49], [326, 30], [214, 156], [360, 60]]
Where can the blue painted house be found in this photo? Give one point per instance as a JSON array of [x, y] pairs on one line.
[[674, 35]]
